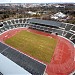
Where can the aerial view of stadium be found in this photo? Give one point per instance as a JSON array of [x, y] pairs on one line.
[[35, 46]]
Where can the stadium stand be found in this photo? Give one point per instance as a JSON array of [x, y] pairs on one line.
[[64, 33], [16, 20], [68, 35], [1, 73], [1, 25], [44, 22], [73, 37], [62, 29], [23, 25], [9, 22], [24, 20], [73, 40], [68, 27], [3, 29], [62, 25], [57, 31], [0, 31], [20, 20], [73, 28], [74, 74], [4, 23], [6, 27], [12, 21]]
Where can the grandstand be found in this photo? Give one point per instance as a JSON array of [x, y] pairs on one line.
[[1, 73], [65, 30]]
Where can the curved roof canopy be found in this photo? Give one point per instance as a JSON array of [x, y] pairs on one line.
[[46, 22]]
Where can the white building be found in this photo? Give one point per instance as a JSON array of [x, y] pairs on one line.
[[32, 13], [58, 15]]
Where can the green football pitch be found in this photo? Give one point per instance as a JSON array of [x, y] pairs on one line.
[[37, 46]]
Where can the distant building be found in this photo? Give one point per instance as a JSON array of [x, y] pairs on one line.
[[32, 13], [58, 15]]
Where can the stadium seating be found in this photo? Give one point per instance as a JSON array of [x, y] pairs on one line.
[[16, 21], [66, 30], [20, 20], [73, 37], [73, 28], [68, 35], [9, 22], [4, 23], [6, 27], [24, 20], [1, 73], [57, 31], [12, 21], [73, 40], [68, 27], [63, 25]]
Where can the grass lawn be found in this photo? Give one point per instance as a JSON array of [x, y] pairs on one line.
[[38, 46]]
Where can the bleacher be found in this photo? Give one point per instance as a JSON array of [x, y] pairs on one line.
[[0, 31], [73, 28], [3, 29], [68, 35], [68, 27], [73, 40], [63, 25], [24, 20], [6, 27], [12, 21], [59, 31], [4, 23], [16, 21], [1, 24], [23, 25], [1, 73], [63, 29], [9, 22], [20, 20], [73, 37]]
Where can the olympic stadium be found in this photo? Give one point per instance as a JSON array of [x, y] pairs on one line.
[[38, 58]]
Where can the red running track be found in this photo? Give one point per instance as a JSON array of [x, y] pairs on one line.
[[62, 62]]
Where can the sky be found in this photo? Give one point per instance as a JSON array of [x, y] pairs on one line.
[[36, 1]]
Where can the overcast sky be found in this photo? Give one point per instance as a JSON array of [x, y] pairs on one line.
[[35, 1]]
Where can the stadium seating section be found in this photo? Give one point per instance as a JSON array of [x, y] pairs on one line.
[[1, 73], [66, 30]]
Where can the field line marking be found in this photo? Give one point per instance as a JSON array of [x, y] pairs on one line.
[[5, 49]]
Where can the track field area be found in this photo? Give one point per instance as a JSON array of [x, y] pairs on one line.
[[35, 45]]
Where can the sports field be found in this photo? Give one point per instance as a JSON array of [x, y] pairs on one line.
[[38, 46]]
